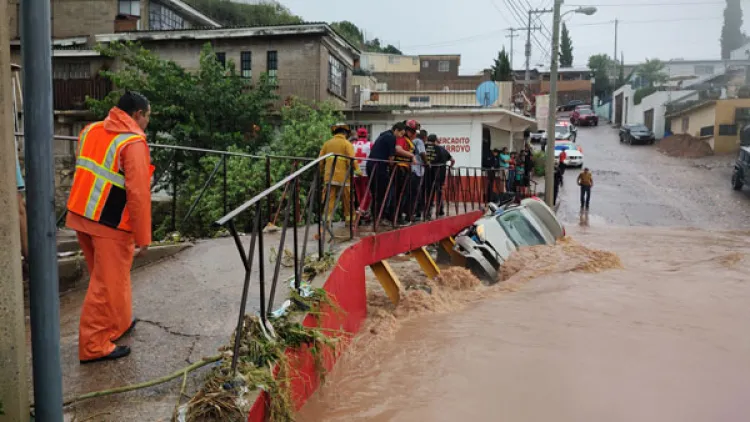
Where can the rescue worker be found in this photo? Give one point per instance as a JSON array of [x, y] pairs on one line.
[[437, 157], [383, 149], [110, 209], [492, 167], [339, 177], [558, 182], [362, 147]]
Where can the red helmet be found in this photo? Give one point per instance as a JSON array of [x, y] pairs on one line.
[[362, 132], [413, 125]]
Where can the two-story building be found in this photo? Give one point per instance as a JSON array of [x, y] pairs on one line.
[[75, 24], [310, 61]]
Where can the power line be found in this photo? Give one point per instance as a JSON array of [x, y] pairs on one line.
[[458, 40], [520, 18], [710, 3], [649, 21]]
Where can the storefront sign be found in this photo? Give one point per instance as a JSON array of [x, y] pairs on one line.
[[456, 145]]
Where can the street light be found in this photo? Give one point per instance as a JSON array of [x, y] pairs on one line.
[[549, 168]]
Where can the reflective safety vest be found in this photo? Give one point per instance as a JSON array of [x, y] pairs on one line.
[[405, 161], [98, 191]]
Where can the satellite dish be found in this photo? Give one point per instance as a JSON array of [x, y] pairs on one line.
[[487, 94]]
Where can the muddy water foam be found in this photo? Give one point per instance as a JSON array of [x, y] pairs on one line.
[[643, 324]]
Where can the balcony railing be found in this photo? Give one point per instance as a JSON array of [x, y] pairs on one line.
[[70, 94]]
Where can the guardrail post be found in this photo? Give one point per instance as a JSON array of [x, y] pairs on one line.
[[426, 262], [388, 279], [456, 258]]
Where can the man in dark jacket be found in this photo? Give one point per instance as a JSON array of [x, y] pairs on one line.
[[378, 168], [439, 160]]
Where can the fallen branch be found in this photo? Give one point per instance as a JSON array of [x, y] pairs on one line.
[[182, 372]]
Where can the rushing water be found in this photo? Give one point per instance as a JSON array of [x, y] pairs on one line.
[[574, 334]]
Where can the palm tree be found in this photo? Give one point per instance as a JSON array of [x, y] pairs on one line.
[[653, 72]]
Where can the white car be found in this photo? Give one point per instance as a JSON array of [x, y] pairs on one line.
[[564, 131], [536, 137], [573, 153], [488, 243]]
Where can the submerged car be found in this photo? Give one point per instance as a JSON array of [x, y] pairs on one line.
[[741, 173], [488, 243]]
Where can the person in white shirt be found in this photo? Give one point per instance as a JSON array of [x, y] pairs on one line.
[[362, 148]]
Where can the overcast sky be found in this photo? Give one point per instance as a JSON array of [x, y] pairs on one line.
[[477, 29]]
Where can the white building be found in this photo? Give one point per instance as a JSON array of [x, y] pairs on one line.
[[468, 134], [650, 111], [742, 53]]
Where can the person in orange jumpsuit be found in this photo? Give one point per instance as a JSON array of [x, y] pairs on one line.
[[110, 209]]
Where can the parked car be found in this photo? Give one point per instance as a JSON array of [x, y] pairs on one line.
[[741, 173], [573, 153], [570, 106], [490, 241], [564, 131], [536, 137], [638, 134], [584, 117]]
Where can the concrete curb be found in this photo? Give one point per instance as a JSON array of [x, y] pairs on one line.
[[73, 274]]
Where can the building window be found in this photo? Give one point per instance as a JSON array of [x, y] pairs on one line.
[[394, 59], [727, 130], [685, 124], [336, 77], [420, 99], [444, 66], [704, 70], [161, 18], [63, 71], [222, 59], [415, 61], [272, 65], [707, 131], [425, 64], [130, 7], [246, 64]]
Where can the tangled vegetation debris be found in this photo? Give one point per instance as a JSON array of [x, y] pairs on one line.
[[262, 363], [313, 265]]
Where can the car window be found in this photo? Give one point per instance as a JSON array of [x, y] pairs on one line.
[[561, 129], [519, 230], [639, 128], [585, 111]]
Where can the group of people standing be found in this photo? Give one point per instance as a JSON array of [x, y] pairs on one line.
[[514, 171], [401, 173]]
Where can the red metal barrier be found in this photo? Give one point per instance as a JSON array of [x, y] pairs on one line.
[[346, 285]]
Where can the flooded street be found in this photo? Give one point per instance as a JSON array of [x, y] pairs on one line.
[[622, 323]]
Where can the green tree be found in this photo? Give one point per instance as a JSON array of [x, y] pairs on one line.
[[501, 70], [653, 72], [231, 13], [732, 36], [210, 108], [350, 32], [566, 48], [601, 66], [374, 46]]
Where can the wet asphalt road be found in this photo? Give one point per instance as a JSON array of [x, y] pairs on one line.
[[636, 185]]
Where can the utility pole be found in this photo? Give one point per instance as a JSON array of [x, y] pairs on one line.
[[529, 28], [511, 36], [549, 164], [44, 297], [614, 60], [14, 388]]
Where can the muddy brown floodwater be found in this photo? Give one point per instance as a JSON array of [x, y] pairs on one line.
[[654, 332]]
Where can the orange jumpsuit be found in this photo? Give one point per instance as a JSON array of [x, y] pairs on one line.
[[107, 309]]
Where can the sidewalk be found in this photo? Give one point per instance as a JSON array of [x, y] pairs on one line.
[[188, 307]]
